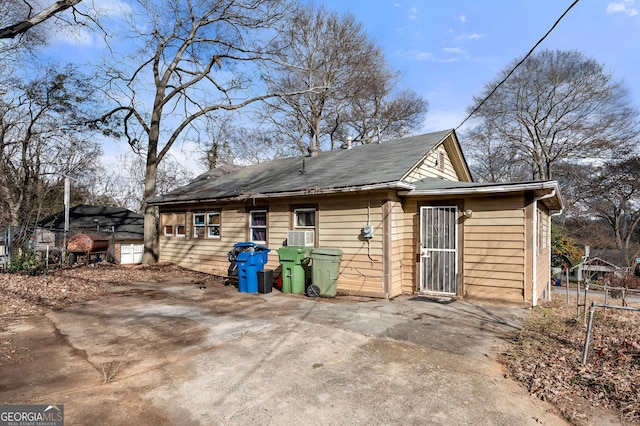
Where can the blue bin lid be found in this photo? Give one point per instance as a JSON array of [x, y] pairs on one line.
[[251, 244], [246, 244], [249, 253]]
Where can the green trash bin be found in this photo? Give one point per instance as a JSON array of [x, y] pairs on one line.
[[325, 267], [295, 268]]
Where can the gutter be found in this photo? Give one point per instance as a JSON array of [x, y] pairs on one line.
[[481, 190], [305, 192]]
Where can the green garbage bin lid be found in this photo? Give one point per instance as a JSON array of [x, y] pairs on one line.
[[326, 251], [293, 253]]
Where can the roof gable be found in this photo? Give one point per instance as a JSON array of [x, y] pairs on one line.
[[361, 166], [445, 161]]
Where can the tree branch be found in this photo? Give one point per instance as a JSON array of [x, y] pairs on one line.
[[20, 27]]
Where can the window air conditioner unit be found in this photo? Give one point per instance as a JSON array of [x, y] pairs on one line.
[[301, 238]]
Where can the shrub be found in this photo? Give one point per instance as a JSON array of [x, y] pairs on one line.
[[27, 263]]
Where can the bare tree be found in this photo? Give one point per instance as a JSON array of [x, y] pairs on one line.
[[612, 193], [333, 53], [24, 14], [194, 58], [229, 141], [374, 113], [40, 140], [125, 187], [557, 106], [493, 161]]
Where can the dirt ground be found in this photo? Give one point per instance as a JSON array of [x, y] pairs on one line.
[[160, 345]]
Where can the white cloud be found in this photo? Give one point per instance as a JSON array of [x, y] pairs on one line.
[[454, 50], [462, 18], [85, 36], [423, 56], [439, 120], [473, 36], [426, 56], [445, 60], [625, 6]]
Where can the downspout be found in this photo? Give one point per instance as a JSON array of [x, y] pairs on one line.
[[534, 254]]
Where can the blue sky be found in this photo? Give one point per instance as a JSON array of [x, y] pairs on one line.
[[448, 50]]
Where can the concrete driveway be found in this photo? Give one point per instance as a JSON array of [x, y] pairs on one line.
[[176, 354]]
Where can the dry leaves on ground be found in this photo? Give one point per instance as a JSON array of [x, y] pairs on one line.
[[25, 295], [547, 358]]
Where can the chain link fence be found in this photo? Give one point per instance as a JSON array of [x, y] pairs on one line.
[[47, 246]]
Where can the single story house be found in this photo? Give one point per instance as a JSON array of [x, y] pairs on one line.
[[123, 228], [601, 263], [405, 213]]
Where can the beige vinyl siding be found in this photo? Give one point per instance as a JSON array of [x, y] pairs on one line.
[[431, 167], [340, 222], [172, 219], [339, 225], [278, 226], [398, 248], [408, 235], [495, 249], [206, 255]]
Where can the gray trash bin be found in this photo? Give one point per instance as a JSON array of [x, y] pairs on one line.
[[325, 268]]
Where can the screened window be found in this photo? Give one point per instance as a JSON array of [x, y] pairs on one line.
[[304, 218], [168, 230], [258, 226], [180, 231], [213, 225], [198, 225], [543, 232]]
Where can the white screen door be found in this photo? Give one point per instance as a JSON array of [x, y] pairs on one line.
[[438, 249]]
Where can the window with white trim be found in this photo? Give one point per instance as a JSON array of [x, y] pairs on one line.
[[304, 218], [213, 224], [258, 226], [172, 224], [198, 225]]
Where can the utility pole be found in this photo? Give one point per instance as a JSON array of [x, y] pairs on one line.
[[67, 200]]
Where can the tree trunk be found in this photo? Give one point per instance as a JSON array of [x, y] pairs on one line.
[[150, 254]]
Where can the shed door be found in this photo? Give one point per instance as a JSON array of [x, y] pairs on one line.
[[131, 253], [138, 249], [438, 249]]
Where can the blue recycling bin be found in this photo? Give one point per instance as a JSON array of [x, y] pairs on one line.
[[249, 262]]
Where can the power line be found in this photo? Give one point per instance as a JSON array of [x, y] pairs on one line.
[[517, 65]]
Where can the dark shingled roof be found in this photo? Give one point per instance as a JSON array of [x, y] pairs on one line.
[[360, 166], [128, 225]]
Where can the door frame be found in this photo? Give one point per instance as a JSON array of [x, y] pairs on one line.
[[422, 286]]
